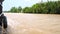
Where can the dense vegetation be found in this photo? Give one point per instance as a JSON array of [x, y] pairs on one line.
[[42, 8]]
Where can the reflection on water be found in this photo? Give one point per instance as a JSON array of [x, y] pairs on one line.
[[33, 23]]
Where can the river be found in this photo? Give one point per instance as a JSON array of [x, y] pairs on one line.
[[20, 23]]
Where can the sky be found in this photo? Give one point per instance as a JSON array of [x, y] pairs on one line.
[[8, 4]]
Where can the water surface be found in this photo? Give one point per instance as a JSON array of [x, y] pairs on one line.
[[19, 23]]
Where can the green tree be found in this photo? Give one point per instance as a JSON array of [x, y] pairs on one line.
[[13, 10], [50, 7], [26, 10], [19, 9]]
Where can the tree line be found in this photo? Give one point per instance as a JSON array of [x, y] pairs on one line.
[[51, 7]]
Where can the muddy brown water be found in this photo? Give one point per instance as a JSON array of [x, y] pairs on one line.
[[20, 23]]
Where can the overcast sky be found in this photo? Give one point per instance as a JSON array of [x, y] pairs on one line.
[[7, 4]]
